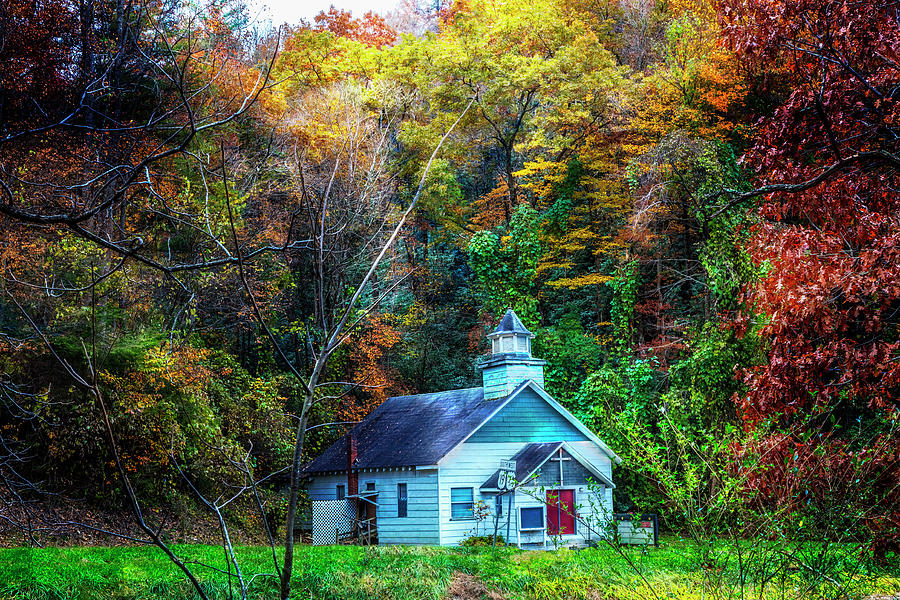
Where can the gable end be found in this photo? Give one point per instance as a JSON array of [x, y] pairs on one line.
[[527, 418]]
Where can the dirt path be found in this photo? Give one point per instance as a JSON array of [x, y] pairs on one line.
[[468, 587]]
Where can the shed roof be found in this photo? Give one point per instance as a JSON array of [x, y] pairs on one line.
[[410, 430], [533, 456], [528, 459]]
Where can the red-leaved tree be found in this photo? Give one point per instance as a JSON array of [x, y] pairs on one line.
[[828, 243]]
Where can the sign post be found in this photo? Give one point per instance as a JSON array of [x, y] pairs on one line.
[[506, 482], [508, 517]]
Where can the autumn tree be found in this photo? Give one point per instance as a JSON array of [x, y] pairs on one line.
[[521, 62], [98, 164], [827, 161], [97, 133], [371, 29]]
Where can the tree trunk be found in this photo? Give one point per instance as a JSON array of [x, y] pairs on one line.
[[510, 185], [291, 519]]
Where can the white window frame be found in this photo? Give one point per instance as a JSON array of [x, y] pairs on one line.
[[543, 526], [469, 502]]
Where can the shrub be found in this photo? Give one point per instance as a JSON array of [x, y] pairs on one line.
[[478, 541]]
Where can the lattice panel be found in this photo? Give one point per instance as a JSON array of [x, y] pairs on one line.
[[329, 516]]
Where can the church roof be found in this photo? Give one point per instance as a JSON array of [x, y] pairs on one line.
[[419, 430], [411, 430]]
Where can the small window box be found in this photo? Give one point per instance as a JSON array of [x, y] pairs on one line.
[[531, 518]]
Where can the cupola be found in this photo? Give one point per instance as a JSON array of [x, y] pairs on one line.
[[511, 336], [510, 362]]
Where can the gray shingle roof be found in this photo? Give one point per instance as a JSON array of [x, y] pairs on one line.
[[527, 460], [510, 323], [407, 431]]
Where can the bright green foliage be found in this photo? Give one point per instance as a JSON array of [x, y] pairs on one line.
[[505, 264], [614, 401], [624, 285], [571, 355]]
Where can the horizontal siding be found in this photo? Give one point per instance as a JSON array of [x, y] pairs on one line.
[[469, 465], [472, 463], [527, 418], [325, 487], [601, 461], [420, 526], [501, 380], [574, 473]]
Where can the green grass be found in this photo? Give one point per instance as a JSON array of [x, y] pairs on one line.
[[350, 573]]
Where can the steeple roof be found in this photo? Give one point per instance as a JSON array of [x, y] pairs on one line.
[[510, 323]]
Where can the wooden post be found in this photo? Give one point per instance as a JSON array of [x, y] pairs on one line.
[[509, 515]]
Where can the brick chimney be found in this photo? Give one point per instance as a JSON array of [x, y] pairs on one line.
[[352, 474]]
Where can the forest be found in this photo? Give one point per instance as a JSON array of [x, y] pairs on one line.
[[222, 244]]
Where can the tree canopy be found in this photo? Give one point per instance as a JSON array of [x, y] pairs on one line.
[[214, 240]]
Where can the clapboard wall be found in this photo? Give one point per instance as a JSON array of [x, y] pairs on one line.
[[419, 526], [527, 418]]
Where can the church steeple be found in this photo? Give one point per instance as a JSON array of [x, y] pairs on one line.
[[511, 362]]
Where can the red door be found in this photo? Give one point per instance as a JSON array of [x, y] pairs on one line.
[[561, 513]]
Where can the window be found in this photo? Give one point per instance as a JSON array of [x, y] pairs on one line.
[[498, 505], [531, 518], [370, 486], [341, 494], [523, 344], [401, 499], [462, 503], [508, 343]]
